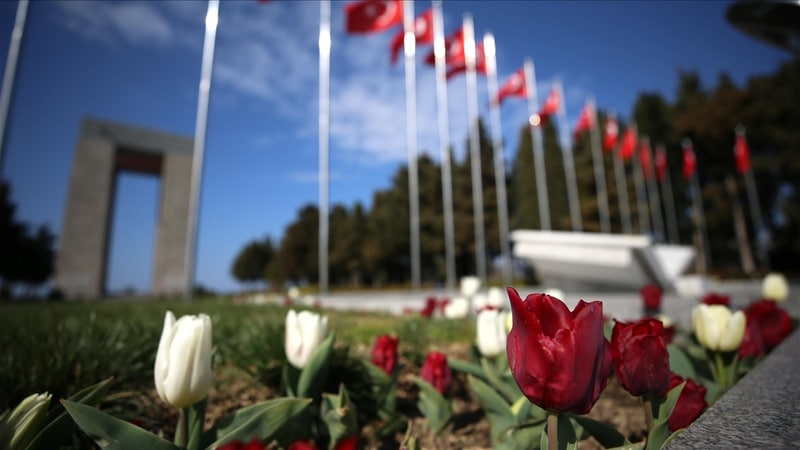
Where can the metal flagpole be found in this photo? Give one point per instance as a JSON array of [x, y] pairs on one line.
[[652, 194], [475, 148], [444, 143], [700, 234], [638, 183], [499, 158], [10, 72], [755, 209], [622, 187], [669, 201], [324, 138], [212, 19], [569, 161], [538, 149], [599, 170], [410, 44]]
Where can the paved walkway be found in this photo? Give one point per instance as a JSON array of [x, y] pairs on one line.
[[616, 304]]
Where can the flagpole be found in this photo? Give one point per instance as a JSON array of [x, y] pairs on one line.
[[444, 143], [475, 148], [700, 238], [599, 170], [410, 44], [638, 183], [499, 158], [669, 201], [622, 188], [569, 161], [204, 90], [538, 149], [755, 209], [652, 195], [324, 138], [10, 72]]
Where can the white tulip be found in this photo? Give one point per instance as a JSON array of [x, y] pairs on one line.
[[717, 328], [25, 421], [304, 333], [479, 302], [491, 332], [458, 308], [293, 293], [470, 286], [182, 372], [774, 287], [497, 298]]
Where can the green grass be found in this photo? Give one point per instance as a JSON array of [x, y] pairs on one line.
[[63, 347]]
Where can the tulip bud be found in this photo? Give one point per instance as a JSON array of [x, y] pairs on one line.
[[436, 372], [304, 333], [458, 308], [774, 287], [691, 403], [470, 286], [641, 360], [651, 298], [25, 421], [491, 331], [384, 353], [182, 372], [717, 328]]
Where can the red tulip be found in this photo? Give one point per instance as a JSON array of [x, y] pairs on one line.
[[641, 361], [303, 445], [713, 298], [384, 353], [560, 359], [429, 308], [773, 322], [651, 297], [691, 403], [752, 345], [348, 443], [436, 371]]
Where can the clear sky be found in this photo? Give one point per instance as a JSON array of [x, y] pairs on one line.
[[139, 63]]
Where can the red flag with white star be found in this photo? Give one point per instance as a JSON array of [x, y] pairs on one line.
[[423, 33], [689, 161], [661, 164], [628, 147], [646, 159], [610, 134], [513, 87], [741, 153], [373, 16], [585, 120], [551, 105]]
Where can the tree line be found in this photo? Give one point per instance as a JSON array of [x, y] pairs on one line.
[[369, 246]]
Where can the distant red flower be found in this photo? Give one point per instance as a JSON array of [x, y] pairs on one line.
[[691, 403], [651, 297], [254, 444], [384, 353], [752, 345], [773, 322], [714, 298], [436, 371], [348, 443], [641, 361], [429, 308], [303, 445]]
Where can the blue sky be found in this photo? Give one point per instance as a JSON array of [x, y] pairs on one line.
[[139, 63]]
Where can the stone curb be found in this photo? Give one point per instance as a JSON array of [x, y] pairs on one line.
[[762, 410]]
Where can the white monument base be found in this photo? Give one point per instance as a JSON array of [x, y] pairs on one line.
[[571, 260]]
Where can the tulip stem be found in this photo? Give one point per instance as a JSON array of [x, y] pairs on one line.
[[722, 379], [552, 430], [648, 414], [181, 431]]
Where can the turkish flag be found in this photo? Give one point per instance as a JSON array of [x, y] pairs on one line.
[[628, 147], [551, 105], [423, 33], [585, 120], [610, 134], [646, 159], [453, 49], [372, 16], [513, 87], [460, 66], [741, 153], [689, 161], [661, 164]]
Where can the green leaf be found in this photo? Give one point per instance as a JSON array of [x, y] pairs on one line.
[[466, 367], [500, 414], [493, 377], [680, 363], [339, 415], [566, 433], [112, 433], [314, 374], [662, 410], [607, 436], [59, 425], [261, 420], [433, 405]]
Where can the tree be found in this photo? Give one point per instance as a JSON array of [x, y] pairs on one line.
[[251, 263]]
